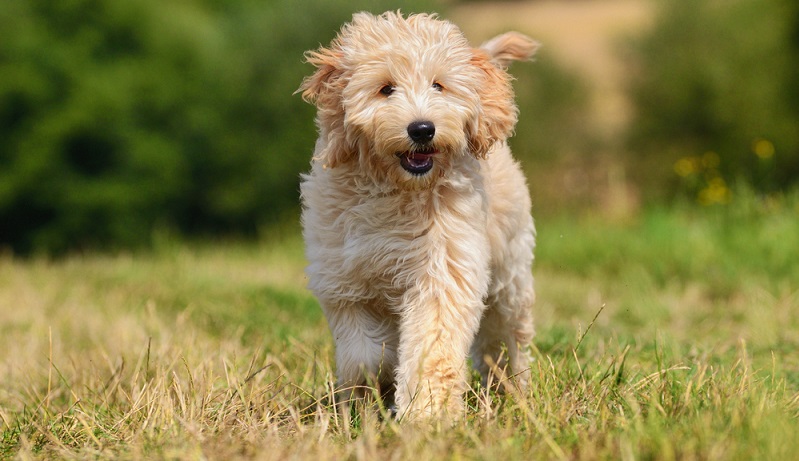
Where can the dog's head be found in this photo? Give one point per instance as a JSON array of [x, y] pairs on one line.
[[404, 97]]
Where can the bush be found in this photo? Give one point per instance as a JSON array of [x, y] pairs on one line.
[[716, 92], [554, 134], [121, 116]]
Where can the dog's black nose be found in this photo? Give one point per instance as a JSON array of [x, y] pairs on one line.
[[422, 132]]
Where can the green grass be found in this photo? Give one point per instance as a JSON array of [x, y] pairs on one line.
[[216, 351]]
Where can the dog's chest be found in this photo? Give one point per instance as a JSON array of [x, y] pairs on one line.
[[384, 234], [396, 239]]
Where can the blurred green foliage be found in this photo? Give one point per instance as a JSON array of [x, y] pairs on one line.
[[553, 112], [554, 139], [715, 86], [118, 117]]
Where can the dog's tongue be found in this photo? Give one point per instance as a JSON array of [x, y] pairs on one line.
[[418, 160]]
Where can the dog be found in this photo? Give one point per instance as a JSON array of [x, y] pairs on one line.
[[416, 218]]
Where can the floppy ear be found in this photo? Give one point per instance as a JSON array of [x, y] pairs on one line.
[[497, 116], [499, 112], [509, 47], [324, 89], [326, 62]]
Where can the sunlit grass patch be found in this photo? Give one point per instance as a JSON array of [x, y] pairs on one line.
[[670, 336]]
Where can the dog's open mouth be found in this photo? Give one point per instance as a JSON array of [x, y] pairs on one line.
[[417, 162]]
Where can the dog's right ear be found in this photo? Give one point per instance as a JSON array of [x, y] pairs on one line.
[[326, 61], [324, 89]]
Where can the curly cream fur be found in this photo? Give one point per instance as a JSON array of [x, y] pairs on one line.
[[416, 272]]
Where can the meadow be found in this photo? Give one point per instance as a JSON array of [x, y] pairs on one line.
[[673, 334]]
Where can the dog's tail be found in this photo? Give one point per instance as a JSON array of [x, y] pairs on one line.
[[509, 47]]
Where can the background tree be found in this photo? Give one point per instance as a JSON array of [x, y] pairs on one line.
[[715, 84], [118, 117]]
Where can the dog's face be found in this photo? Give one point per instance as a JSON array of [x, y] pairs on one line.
[[403, 98]]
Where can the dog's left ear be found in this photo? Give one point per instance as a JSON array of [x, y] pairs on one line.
[[498, 110], [509, 47]]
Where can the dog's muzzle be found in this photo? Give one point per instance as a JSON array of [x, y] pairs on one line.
[[419, 160]]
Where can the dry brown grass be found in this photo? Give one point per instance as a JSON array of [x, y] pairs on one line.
[[193, 352]]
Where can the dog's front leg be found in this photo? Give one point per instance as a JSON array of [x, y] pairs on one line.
[[437, 327], [366, 345]]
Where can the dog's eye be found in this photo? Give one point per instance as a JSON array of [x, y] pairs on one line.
[[387, 90], [437, 86]]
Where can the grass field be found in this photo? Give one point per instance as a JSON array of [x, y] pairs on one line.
[[216, 351]]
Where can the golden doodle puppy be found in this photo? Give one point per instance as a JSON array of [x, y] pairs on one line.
[[416, 217]]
